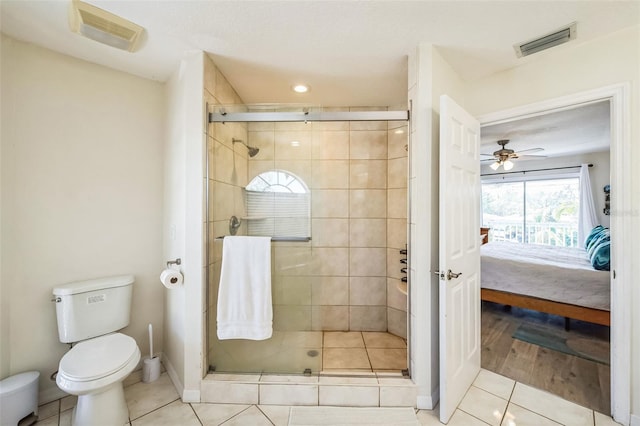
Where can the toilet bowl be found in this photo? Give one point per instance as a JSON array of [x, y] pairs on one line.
[[94, 370]]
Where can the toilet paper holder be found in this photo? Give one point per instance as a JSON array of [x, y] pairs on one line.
[[178, 261]]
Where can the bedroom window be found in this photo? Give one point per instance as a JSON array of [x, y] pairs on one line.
[[533, 212]]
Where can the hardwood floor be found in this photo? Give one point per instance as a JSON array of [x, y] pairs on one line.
[[574, 378]]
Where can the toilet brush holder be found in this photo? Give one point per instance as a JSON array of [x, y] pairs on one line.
[[150, 369]]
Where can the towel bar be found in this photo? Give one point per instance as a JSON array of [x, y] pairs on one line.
[[290, 239]]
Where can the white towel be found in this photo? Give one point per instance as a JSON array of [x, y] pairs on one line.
[[244, 296]]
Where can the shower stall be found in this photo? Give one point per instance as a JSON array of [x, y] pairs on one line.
[[330, 186]]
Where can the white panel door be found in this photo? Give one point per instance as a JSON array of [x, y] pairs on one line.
[[459, 254]]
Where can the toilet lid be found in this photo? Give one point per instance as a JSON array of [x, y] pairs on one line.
[[99, 357]]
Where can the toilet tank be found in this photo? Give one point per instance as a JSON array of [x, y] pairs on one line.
[[91, 308]]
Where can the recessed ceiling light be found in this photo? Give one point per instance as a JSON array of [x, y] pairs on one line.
[[295, 143], [300, 88]]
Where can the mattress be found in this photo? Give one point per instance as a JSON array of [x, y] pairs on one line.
[[560, 274]]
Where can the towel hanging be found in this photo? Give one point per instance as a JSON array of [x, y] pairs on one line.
[[244, 296]]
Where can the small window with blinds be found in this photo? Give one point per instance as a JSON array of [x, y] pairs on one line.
[[278, 205]]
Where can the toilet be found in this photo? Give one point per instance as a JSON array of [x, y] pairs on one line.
[[88, 314]]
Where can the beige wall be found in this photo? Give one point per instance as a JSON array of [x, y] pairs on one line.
[[571, 69], [81, 196]]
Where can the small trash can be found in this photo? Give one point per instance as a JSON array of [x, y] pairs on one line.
[[19, 397]]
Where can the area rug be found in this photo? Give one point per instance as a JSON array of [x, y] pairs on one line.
[[314, 415], [561, 341]]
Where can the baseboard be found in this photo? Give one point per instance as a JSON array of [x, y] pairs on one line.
[[635, 420], [173, 375], [428, 402]]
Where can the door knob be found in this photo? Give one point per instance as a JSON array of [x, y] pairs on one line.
[[453, 274], [449, 274]]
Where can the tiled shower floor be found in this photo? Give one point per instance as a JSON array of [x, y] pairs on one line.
[[368, 351], [296, 351]]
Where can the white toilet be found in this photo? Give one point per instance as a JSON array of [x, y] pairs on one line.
[[88, 314]]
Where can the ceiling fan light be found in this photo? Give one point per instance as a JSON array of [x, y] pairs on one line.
[[508, 165], [495, 165]]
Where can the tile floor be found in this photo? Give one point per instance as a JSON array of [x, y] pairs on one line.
[[492, 400], [363, 351]]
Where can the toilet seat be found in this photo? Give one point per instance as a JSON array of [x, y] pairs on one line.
[[99, 357]]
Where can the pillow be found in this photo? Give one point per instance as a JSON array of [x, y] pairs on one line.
[[601, 256], [602, 235], [592, 234]]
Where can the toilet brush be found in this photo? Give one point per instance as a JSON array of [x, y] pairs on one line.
[[150, 341], [151, 365]]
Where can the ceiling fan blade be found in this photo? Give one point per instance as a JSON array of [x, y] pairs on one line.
[[530, 150], [484, 160], [487, 155], [531, 156]]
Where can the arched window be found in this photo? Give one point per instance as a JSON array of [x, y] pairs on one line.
[[278, 205]]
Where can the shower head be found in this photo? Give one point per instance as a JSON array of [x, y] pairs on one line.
[[253, 151]]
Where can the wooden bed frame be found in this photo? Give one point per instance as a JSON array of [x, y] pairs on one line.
[[567, 310]]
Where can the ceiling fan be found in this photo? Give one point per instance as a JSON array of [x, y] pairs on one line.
[[503, 156]]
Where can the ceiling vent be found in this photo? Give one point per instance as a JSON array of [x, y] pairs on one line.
[[545, 42], [104, 27]]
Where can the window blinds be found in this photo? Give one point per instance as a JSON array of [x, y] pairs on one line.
[[278, 214]]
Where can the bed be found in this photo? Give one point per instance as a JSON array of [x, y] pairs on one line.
[[554, 280]]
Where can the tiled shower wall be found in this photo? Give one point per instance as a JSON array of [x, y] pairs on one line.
[[396, 228], [339, 280], [227, 177]]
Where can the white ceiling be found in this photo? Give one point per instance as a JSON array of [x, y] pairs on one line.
[[350, 52], [570, 132]]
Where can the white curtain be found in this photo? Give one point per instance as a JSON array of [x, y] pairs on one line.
[[587, 218]]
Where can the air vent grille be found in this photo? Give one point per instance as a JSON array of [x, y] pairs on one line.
[[104, 27], [555, 38]]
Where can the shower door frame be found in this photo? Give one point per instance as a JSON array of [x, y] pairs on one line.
[[304, 116]]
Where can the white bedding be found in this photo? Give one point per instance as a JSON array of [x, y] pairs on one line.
[[561, 274]]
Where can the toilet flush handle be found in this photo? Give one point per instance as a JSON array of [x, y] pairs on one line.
[[56, 299]]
